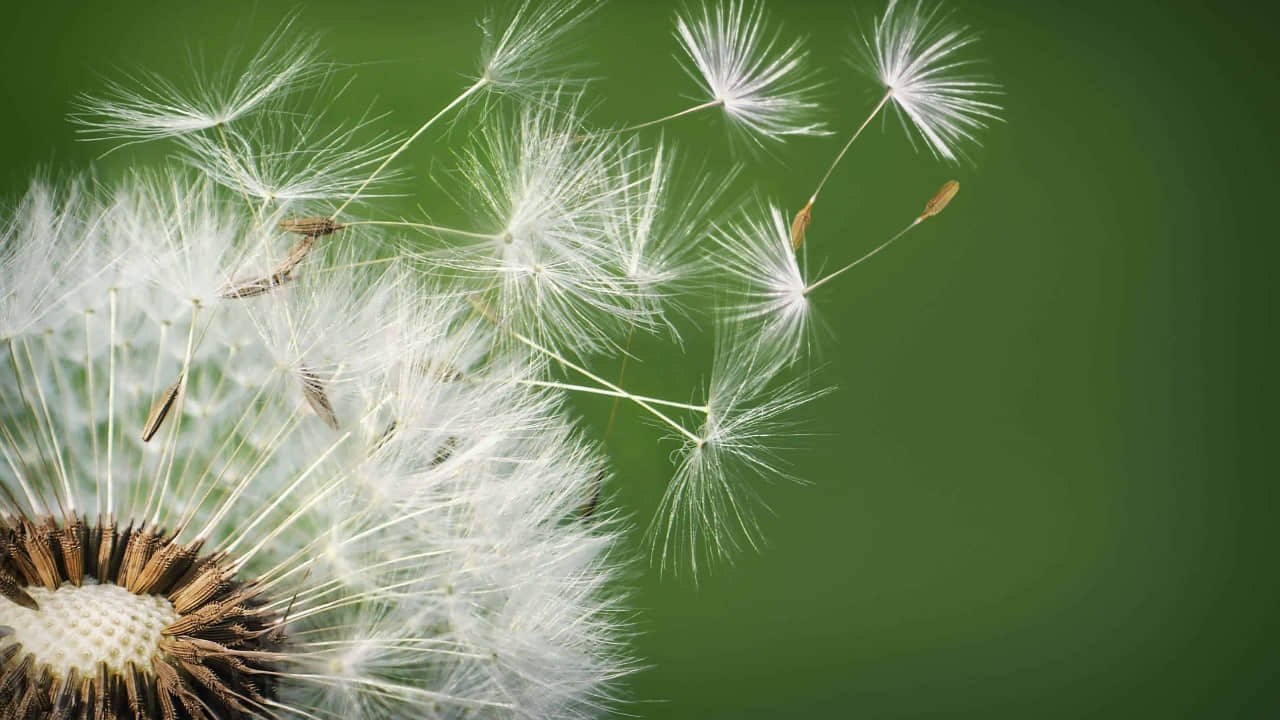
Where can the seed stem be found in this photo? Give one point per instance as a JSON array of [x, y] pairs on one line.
[[55, 447], [687, 111], [426, 226], [479, 84], [244, 191], [622, 374], [850, 266], [111, 397], [876, 110], [642, 402], [613, 393]]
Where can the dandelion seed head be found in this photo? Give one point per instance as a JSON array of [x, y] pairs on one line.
[[459, 583]]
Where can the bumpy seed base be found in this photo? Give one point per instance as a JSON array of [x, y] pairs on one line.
[[78, 627]]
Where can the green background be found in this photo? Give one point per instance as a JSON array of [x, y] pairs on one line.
[[1043, 488]]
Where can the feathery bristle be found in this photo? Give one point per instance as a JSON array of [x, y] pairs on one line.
[[918, 57], [762, 83]]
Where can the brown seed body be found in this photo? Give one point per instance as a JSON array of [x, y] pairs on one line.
[[160, 410], [318, 399], [939, 201], [282, 273], [800, 225], [311, 226]]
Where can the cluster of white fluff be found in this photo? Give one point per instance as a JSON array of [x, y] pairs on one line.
[[368, 418]]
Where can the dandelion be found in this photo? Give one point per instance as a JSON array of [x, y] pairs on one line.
[[760, 83], [214, 547], [915, 54], [318, 455]]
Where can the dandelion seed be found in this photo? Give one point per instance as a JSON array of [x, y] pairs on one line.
[[935, 205], [519, 59], [910, 51], [774, 294], [286, 160], [313, 390], [593, 500], [282, 273], [707, 510], [658, 225], [13, 592], [800, 225], [252, 288]]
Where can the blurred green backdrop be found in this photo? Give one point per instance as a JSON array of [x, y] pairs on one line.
[[1042, 489]]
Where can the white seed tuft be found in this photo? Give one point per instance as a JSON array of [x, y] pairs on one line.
[[915, 54]]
